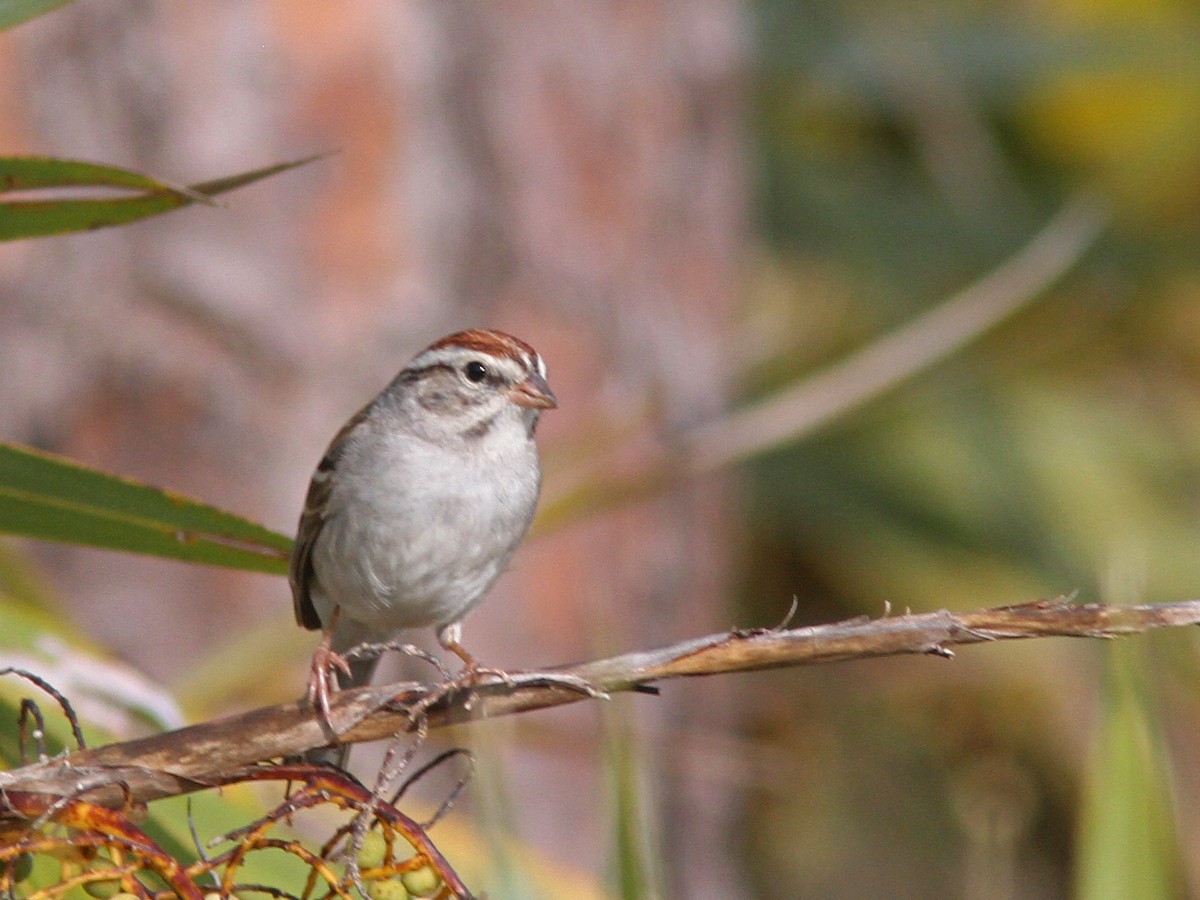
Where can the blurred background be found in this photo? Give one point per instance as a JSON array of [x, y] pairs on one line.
[[689, 208]]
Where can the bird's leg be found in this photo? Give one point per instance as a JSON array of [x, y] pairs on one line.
[[322, 676], [449, 637]]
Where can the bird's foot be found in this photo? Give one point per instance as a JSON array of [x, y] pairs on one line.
[[470, 676], [473, 674], [323, 680]]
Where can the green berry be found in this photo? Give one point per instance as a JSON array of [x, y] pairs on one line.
[[18, 868], [387, 889], [107, 888], [422, 882], [373, 851]]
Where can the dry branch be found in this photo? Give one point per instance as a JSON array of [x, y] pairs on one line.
[[213, 753]]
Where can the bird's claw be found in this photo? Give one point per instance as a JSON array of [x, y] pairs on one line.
[[473, 673], [323, 681]]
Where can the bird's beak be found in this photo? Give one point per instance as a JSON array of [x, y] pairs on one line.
[[533, 393]]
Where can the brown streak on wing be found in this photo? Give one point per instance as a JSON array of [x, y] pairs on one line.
[[301, 576]]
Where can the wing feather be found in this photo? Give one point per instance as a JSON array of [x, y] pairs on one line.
[[301, 575]]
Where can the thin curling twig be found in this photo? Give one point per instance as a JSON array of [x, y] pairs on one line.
[[455, 791], [63, 703]]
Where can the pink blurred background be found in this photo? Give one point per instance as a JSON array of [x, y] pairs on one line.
[[573, 173]]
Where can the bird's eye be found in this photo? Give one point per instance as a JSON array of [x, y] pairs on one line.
[[475, 371]]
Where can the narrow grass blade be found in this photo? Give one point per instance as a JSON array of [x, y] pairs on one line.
[[14, 12], [35, 216], [51, 498]]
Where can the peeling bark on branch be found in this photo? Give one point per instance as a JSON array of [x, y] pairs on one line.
[[211, 753]]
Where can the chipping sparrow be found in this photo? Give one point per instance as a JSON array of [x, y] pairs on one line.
[[420, 501]]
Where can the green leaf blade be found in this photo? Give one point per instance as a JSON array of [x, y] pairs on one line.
[[26, 173], [50, 498], [35, 217], [29, 219], [1128, 842], [14, 12]]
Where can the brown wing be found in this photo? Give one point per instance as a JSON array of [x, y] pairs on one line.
[[301, 576]]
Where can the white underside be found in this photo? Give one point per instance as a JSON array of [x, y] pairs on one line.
[[418, 552]]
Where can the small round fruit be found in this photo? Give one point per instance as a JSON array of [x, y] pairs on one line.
[[373, 851], [422, 882], [107, 888], [18, 868], [387, 889]]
